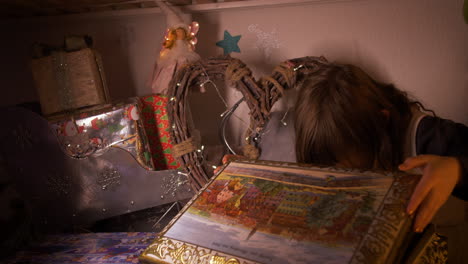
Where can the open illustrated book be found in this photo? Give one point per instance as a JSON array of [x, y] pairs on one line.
[[270, 212]]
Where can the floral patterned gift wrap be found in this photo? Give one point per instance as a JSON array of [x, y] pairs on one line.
[[156, 122], [94, 130]]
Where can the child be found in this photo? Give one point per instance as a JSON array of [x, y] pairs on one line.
[[345, 118]]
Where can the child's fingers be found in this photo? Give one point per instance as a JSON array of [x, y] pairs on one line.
[[440, 176], [231, 157], [227, 158], [419, 194], [415, 162], [426, 212]]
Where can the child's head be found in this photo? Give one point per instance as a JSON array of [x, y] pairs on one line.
[[344, 117]]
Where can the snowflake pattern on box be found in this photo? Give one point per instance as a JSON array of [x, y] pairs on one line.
[[108, 178], [23, 137], [173, 183], [156, 124], [59, 183]]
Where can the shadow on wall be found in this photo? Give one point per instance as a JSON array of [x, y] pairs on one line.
[[114, 46], [351, 52], [15, 71]]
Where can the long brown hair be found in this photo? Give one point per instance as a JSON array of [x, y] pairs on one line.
[[342, 114]]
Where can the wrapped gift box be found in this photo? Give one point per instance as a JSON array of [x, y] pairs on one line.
[[94, 130], [156, 124], [69, 80]]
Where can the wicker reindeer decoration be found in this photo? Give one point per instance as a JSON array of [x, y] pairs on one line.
[[260, 95]]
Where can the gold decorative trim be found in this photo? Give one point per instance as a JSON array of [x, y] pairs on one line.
[[388, 224], [171, 251]]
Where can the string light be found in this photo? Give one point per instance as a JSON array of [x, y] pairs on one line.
[[298, 67], [224, 113], [284, 117], [208, 80], [204, 73], [205, 82], [182, 173]]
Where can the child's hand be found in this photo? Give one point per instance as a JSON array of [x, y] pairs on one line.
[[226, 159], [440, 175]]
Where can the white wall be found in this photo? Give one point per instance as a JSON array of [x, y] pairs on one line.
[[421, 46]]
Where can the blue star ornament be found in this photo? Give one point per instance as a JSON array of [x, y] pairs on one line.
[[229, 43]]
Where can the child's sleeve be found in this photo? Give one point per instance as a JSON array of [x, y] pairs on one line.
[[443, 137], [461, 190]]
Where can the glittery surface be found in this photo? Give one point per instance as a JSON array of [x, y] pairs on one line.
[[23, 137], [65, 192], [266, 41], [69, 80], [108, 178], [59, 183], [173, 183]]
